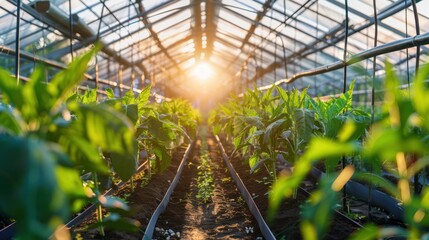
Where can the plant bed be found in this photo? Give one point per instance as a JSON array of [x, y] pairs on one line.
[[223, 216], [143, 201], [286, 224]]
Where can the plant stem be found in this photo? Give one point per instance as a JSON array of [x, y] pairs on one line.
[[99, 208], [132, 184]]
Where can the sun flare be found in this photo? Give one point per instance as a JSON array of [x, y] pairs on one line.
[[202, 72]]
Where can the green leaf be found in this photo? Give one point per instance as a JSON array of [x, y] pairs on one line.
[[13, 92], [321, 148], [125, 165], [252, 121], [163, 158], [386, 143], [128, 98], [30, 190], [318, 210], [90, 96], [66, 80], [253, 160], [305, 123], [82, 152], [10, 120], [105, 128], [131, 111], [259, 163], [368, 232], [273, 130], [109, 93], [143, 98], [420, 93]]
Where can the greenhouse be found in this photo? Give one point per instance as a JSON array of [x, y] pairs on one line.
[[214, 119]]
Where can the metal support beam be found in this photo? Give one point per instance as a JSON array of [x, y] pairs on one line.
[[197, 31], [211, 25], [88, 41], [154, 35], [267, 5], [337, 31], [379, 50], [63, 29]]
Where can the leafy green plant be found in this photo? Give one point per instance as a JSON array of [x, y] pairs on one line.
[[48, 143], [390, 141], [205, 174]]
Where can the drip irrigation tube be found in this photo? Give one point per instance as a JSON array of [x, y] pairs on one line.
[[9, 231], [163, 204], [378, 199], [359, 191], [265, 230]]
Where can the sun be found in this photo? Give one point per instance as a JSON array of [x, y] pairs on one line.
[[202, 72]]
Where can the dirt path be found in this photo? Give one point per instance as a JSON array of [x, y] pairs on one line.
[[225, 217]]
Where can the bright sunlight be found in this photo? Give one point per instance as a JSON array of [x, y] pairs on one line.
[[202, 72]]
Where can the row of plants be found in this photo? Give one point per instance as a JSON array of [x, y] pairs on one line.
[[307, 132], [205, 180], [59, 147]]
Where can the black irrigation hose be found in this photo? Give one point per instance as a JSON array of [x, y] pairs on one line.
[[340, 214], [265, 230], [163, 204], [9, 231]]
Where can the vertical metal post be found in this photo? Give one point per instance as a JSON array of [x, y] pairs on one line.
[[417, 188], [284, 55], [374, 65], [406, 50], [343, 160], [417, 24], [71, 30], [345, 46], [96, 72], [18, 41], [120, 80], [317, 53], [275, 59]]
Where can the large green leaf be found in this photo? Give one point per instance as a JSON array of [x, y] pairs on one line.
[[317, 211], [125, 165], [162, 156], [305, 123], [105, 128], [13, 92], [66, 80], [156, 128], [128, 98], [420, 93], [10, 120], [131, 111], [143, 98], [82, 152], [319, 148], [31, 190], [109, 93], [273, 130]]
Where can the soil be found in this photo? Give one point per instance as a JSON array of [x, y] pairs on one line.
[[143, 201], [225, 217], [287, 221]]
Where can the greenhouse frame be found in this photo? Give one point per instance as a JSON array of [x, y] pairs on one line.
[[325, 100]]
